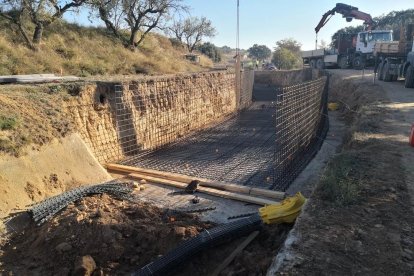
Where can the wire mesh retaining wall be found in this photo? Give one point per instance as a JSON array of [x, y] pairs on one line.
[[140, 116], [301, 126]]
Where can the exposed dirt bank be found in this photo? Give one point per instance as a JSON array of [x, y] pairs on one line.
[[62, 165], [359, 220]]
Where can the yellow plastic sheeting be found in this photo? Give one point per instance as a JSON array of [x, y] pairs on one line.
[[284, 212]]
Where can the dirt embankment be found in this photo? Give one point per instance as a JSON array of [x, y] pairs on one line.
[[121, 237], [40, 153], [359, 220]]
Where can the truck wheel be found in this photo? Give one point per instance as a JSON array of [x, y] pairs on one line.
[[357, 63], [343, 63], [386, 73], [380, 70], [320, 64], [312, 63], [409, 77]]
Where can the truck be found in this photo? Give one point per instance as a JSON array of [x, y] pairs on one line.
[[395, 59], [356, 51], [353, 50]]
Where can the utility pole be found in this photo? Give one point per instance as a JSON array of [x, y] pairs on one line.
[[238, 63]]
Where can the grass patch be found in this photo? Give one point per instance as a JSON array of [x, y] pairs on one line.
[[8, 122], [340, 184], [85, 51]]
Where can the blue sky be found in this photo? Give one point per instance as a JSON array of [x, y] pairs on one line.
[[267, 21]]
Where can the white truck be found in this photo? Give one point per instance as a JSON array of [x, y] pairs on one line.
[[352, 51]]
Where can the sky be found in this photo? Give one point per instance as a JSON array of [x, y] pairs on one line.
[[264, 22]]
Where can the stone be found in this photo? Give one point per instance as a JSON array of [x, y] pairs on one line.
[[63, 247], [378, 225], [180, 231], [84, 266]]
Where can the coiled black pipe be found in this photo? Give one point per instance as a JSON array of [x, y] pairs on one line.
[[206, 239]]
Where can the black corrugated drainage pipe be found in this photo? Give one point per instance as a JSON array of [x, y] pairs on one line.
[[206, 239]]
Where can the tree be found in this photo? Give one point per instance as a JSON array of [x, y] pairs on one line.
[[40, 13], [322, 44], [259, 52], [192, 30], [287, 54], [139, 17], [345, 31], [210, 50], [290, 44], [394, 21]]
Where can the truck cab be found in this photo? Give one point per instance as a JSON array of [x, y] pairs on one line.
[[364, 46], [365, 42]]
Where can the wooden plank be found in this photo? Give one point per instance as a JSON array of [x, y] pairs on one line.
[[205, 190], [204, 182], [234, 254]]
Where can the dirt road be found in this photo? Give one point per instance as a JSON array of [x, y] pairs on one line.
[[360, 218], [402, 107]]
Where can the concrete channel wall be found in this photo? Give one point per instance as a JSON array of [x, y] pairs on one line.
[[121, 119], [285, 77]]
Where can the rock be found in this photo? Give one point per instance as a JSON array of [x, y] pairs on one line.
[[142, 181], [180, 231], [84, 266], [135, 185], [100, 213], [191, 231], [378, 225], [63, 247], [142, 187]]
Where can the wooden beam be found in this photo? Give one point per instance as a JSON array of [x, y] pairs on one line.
[[205, 190], [204, 182], [234, 254]]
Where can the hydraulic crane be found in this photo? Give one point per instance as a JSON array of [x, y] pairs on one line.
[[349, 13]]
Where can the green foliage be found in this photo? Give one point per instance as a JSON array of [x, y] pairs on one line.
[[259, 52], [290, 44], [210, 50], [394, 20], [391, 21], [8, 122], [287, 54], [339, 185]]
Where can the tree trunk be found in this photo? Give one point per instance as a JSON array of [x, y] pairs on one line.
[[37, 35], [25, 36], [132, 38]]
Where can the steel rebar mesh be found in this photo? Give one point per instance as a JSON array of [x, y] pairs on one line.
[[301, 124], [46, 209]]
